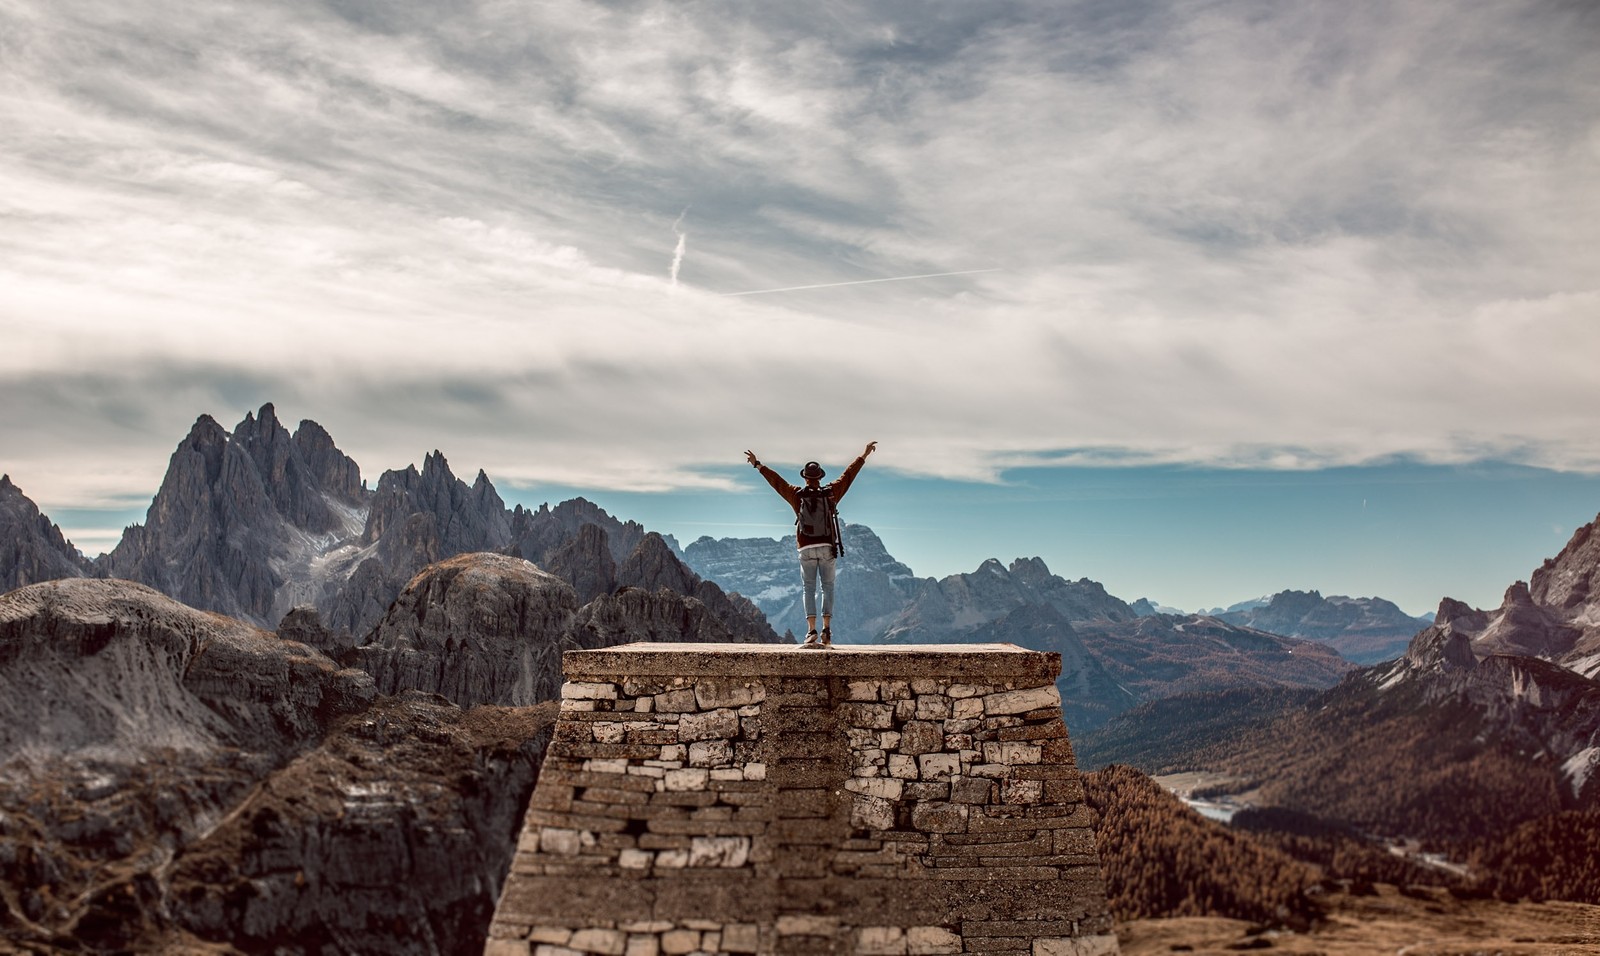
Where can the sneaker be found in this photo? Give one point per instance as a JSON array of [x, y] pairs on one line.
[[812, 640], [827, 637]]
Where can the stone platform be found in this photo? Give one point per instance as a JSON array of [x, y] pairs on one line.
[[737, 798]]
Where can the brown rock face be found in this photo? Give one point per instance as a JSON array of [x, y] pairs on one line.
[[114, 665], [172, 780], [477, 628]]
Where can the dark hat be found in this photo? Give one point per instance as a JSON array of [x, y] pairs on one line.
[[812, 470]]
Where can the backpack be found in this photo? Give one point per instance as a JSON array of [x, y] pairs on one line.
[[816, 517]]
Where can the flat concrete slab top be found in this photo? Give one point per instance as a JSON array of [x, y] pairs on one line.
[[985, 662]]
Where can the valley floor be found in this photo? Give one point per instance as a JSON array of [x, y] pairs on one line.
[[1422, 922]]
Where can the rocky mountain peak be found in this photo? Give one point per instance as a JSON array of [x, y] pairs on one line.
[[35, 550], [1571, 579]]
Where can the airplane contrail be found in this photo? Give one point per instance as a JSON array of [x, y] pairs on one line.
[[683, 242], [830, 285]]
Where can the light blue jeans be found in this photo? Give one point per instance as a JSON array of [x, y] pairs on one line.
[[816, 561]]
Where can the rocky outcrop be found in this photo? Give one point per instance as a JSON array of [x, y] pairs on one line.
[[1363, 630], [32, 548], [491, 628], [114, 666], [395, 835], [586, 563], [476, 628], [174, 780]]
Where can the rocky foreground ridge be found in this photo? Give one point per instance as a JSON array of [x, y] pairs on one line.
[[170, 776]]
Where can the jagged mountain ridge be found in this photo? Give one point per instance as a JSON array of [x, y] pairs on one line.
[[1363, 630], [32, 547], [260, 523]]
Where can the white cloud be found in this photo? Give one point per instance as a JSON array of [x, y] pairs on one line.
[[1289, 236]]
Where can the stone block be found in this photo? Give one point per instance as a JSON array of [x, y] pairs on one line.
[[506, 947], [634, 859], [719, 851], [884, 787], [871, 812], [672, 859], [679, 701], [554, 935], [1022, 701], [1103, 944], [1011, 752], [869, 716], [643, 944], [712, 692], [921, 940], [881, 941], [938, 766], [1021, 791], [932, 816], [689, 778], [971, 790], [933, 707], [608, 942], [755, 771], [861, 690], [710, 753], [606, 765], [609, 732], [676, 942], [584, 690], [926, 685], [808, 926], [709, 725], [921, 737], [895, 690], [967, 708], [902, 767], [959, 691], [558, 841], [741, 938]]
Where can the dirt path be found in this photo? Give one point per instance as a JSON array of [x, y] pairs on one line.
[[1428, 923]]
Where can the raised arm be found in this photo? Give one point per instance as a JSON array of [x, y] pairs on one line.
[[842, 483], [783, 488]]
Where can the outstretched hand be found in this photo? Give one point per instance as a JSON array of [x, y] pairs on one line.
[[872, 446], [750, 456]]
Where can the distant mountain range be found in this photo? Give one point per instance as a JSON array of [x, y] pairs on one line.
[[1491, 719], [1112, 657], [261, 523], [1363, 630]]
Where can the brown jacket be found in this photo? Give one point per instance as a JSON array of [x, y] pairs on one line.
[[791, 493]]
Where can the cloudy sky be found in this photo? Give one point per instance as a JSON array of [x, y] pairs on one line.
[[1063, 259]]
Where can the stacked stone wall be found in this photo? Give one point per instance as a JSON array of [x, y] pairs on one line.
[[739, 800]]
